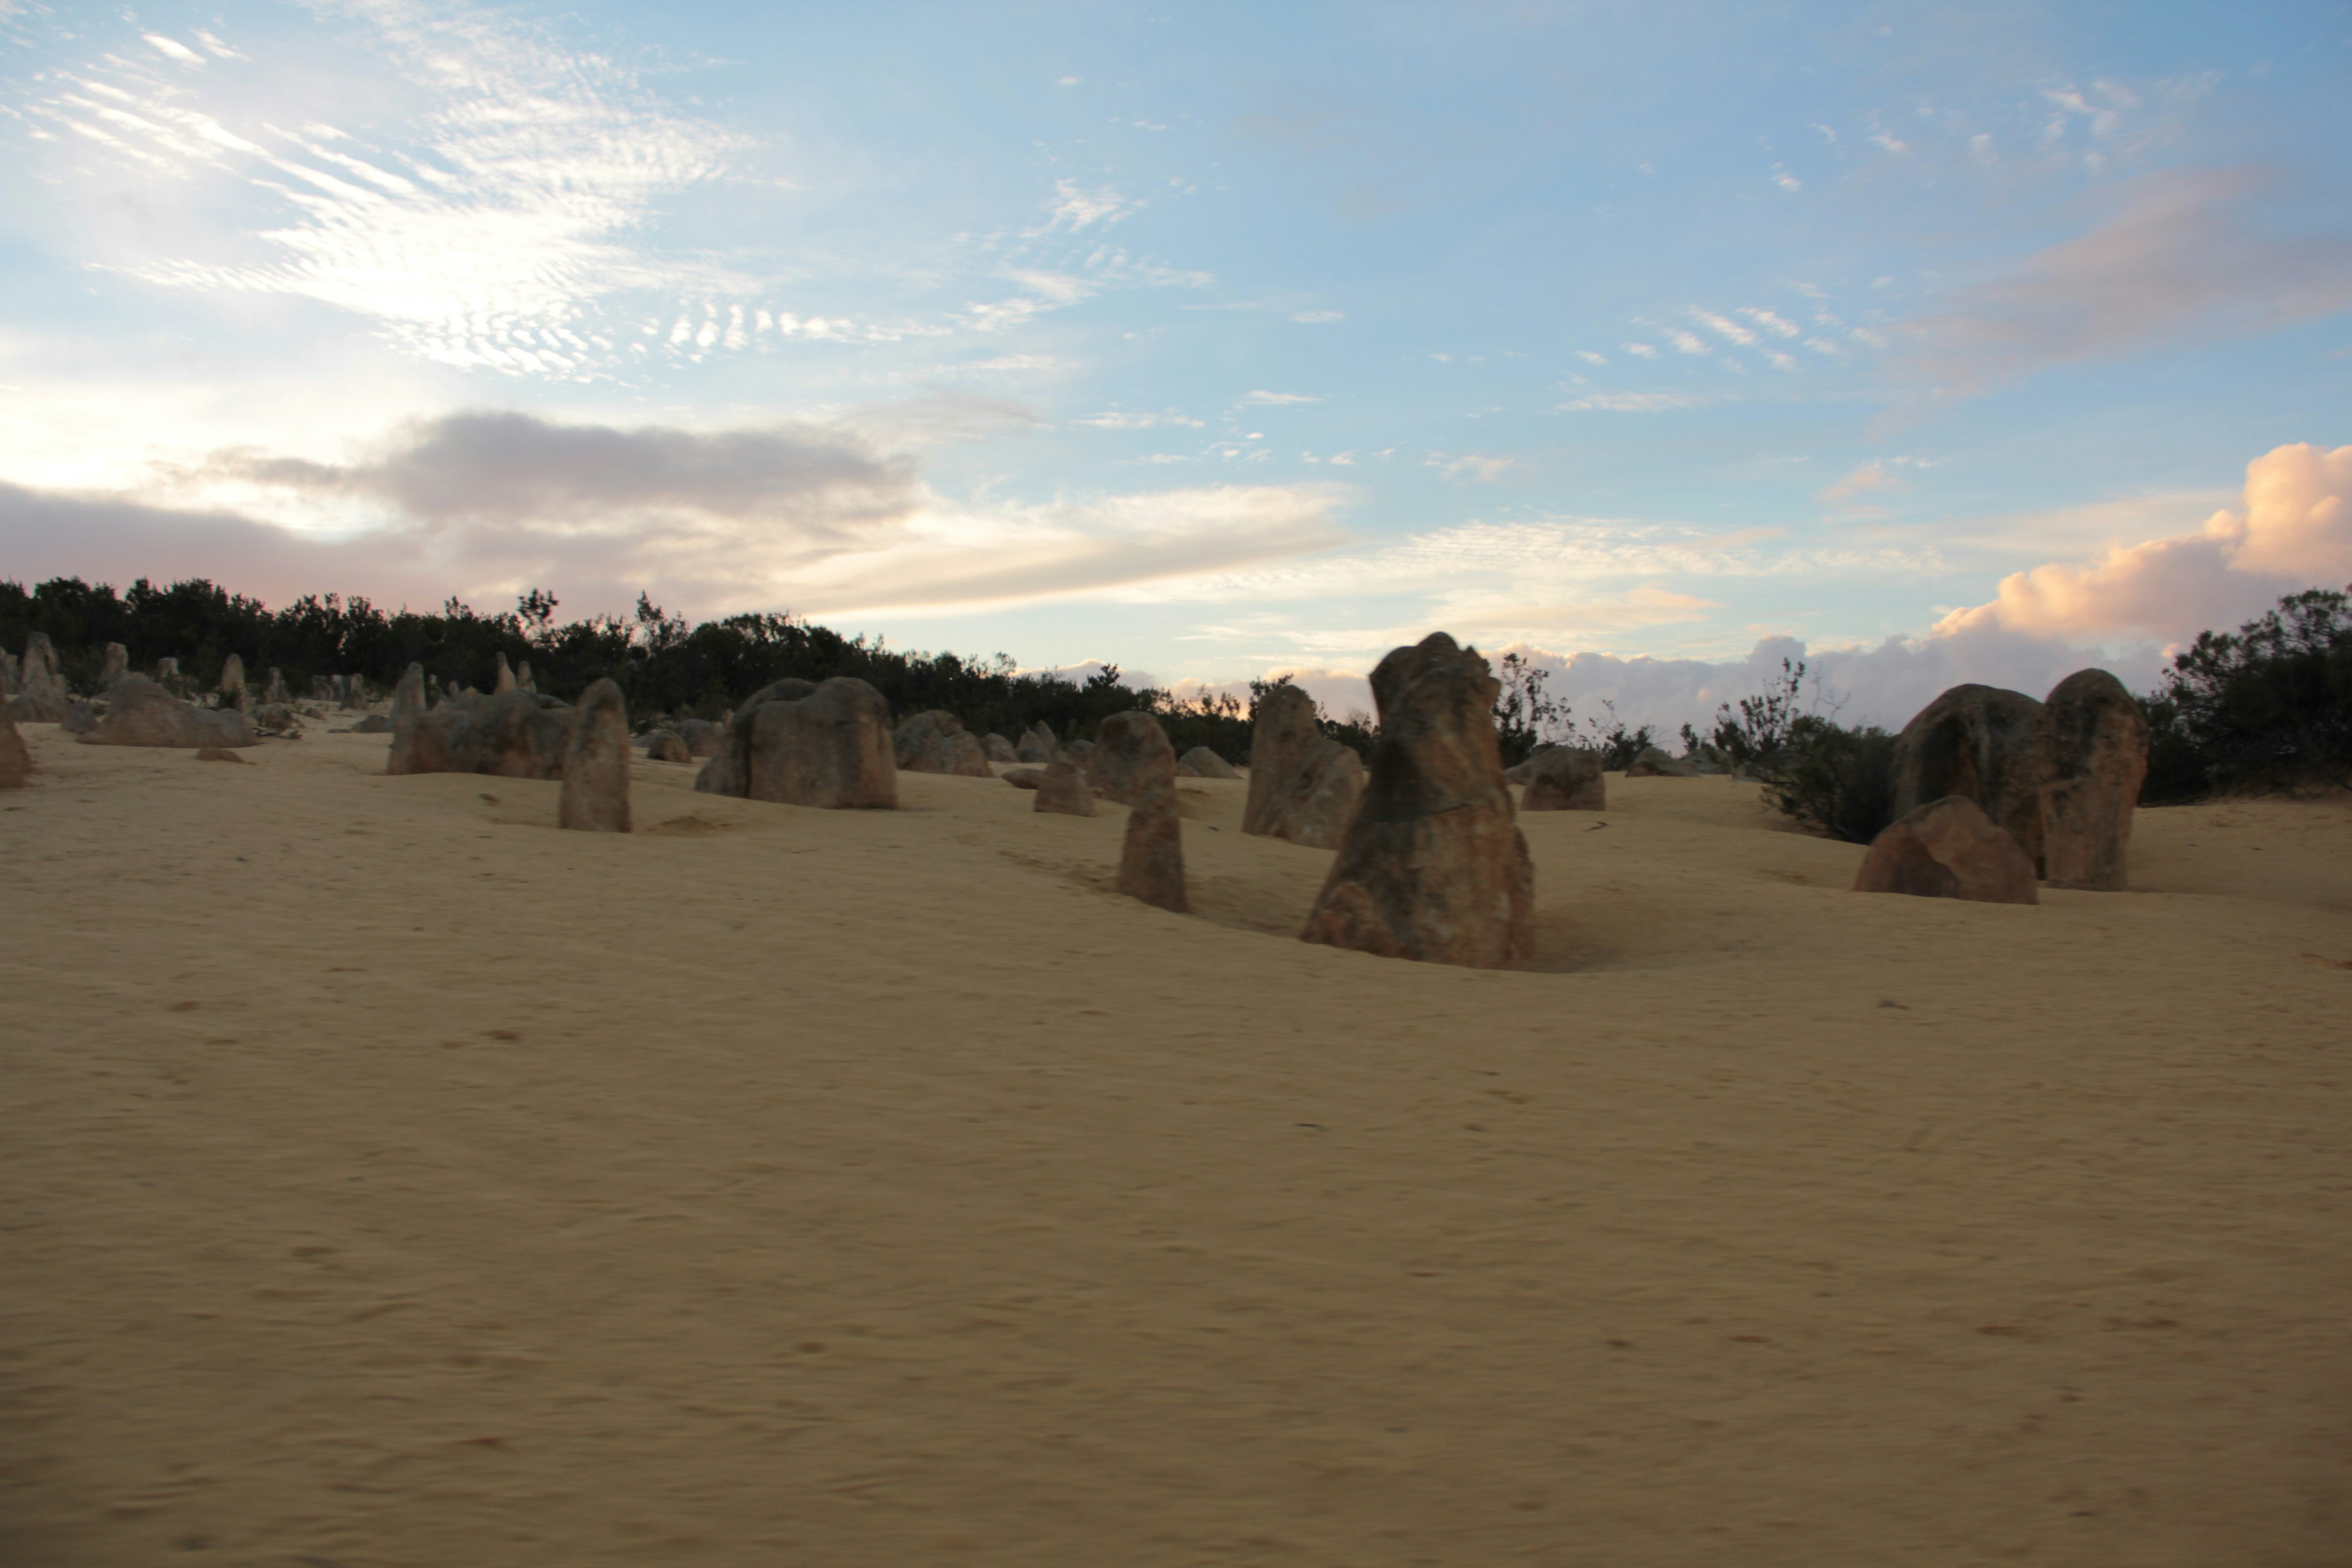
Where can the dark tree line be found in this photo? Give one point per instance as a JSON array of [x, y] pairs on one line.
[[663, 663]]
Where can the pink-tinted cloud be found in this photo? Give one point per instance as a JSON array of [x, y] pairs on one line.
[[2295, 531], [2184, 255]]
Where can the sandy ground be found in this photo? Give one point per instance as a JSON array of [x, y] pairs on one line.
[[388, 1178]]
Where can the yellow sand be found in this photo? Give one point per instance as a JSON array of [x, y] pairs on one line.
[[388, 1178]]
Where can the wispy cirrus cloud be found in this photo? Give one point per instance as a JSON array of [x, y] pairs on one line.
[[2179, 253]]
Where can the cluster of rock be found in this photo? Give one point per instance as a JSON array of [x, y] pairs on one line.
[[140, 712], [1431, 865], [516, 734], [936, 742], [1303, 784], [1561, 778], [802, 742], [1037, 744], [2055, 780], [1201, 763]]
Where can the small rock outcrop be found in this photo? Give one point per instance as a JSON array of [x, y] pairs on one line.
[[667, 748], [143, 714], [16, 762], [1023, 778], [1132, 746], [936, 742], [217, 755], [1565, 778], [1433, 865], [997, 749], [41, 696], [506, 679], [523, 682], [2092, 740], [113, 666], [702, 737], [595, 795], [7, 673], [1949, 848], [1201, 763], [1037, 746], [802, 744], [80, 718], [273, 692], [373, 724], [1123, 763], [516, 735], [1978, 741], [1653, 764], [1303, 784], [232, 680], [1062, 787]]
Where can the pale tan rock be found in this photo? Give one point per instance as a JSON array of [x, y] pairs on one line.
[[595, 793], [830, 749], [1949, 848], [936, 742], [1979, 741], [729, 771], [523, 681], [668, 748], [1565, 778], [141, 713], [231, 679], [1432, 865], [2092, 743], [1023, 778], [1201, 763], [1062, 788], [997, 749], [1303, 785], [1134, 748], [516, 734], [113, 666], [41, 696], [1037, 746], [506, 679]]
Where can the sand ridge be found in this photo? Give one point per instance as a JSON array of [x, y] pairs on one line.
[[392, 1179]]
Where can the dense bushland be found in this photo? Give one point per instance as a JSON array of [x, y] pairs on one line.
[[663, 664], [2267, 706]]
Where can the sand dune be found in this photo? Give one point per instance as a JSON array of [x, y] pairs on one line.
[[390, 1179]]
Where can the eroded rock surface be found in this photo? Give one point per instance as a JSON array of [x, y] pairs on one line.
[[595, 795], [1062, 788], [1432, 864], [802, 744], [113, 666], [936, 742], [1303, 785], [1979, 742], [2092, 743], [1949, 848], [1037, 746], [1201, 763], [1565, 778], [16, 761], [997, 749], [141, 713], [668, 747], [517, 734], [1132, 747]]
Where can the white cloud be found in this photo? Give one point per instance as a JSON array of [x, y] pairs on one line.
[[1785, 180], [1630, 403], [1317, 318], [174, 49], [1473, 466], [1134, 419], [1723, 326], [1077, 209], [1779, 326], [1589, 357], [1641, 351], [1275, 399], [1686, 343]]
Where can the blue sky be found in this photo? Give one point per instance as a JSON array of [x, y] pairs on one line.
[[1658, 339]]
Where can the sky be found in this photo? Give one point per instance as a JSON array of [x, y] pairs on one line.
[[1658, 341]]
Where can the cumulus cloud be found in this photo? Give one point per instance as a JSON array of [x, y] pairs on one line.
[[814, 519], [1631, 401], [2295, 532], [2182, 254]]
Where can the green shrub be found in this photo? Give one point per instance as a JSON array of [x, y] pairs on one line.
[[2268, 705], [1838, 780]]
